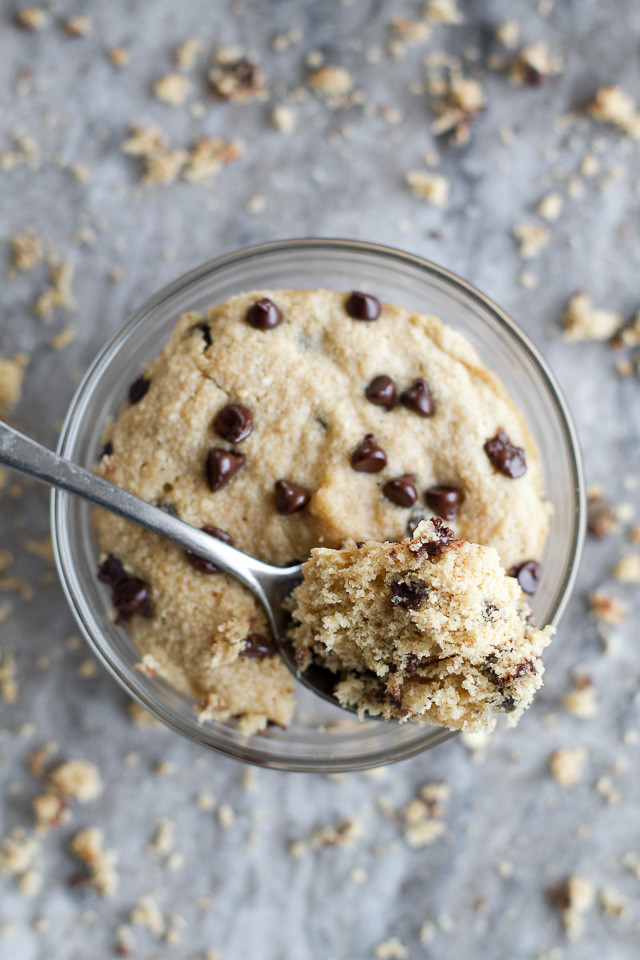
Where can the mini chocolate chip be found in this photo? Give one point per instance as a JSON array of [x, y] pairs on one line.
[[138, 389], [360, 543], [264, 315], [527, 574], [443, 500], [508, 704], [401, 490], [132, 596], [290, 496], [111, 571], [381, 391], [488, 614], [257, 645], [206, 566], [362, 306], [205, 330], [368, 457], [107, 450], [418, 398], [233, 423], [506, 458], [408, 595], [222, 466]]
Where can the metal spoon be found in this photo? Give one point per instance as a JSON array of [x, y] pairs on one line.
[[271, 585]]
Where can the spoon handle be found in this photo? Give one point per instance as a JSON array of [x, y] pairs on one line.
[[26, 456]]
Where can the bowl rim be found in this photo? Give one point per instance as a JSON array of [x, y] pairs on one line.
[[71, 424]]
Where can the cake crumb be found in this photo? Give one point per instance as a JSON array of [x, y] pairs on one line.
[[163, 839], [582, 321], [58, 294], [567, 766], [614, 106], [607, 608], [582, 701], [612, 903], [429, 186], [147, 913], [188, 53], [627, 570], [411, 31], [32, 18], [601, 518], [119, 56], [284, 119], [78, 27], [508, 34], [331, 82], [226, 816], [461, 101], [8, 679], [605, 788], [550, 207], [26, 252], [535, 64], [79, 779], [390, 949], [444, 11], [172, 89], [532, 238], [11, 378], [573, 898], [50, 810], [19, 855], [234, 77]]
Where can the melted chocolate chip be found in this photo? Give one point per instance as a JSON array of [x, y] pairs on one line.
[[401, 490], [506, 458], [233, 423], [257, 645], [408, 595], [443, 500], [290, 496], [138, 389], [132, 596], [446, 537], [418, 398], [368, 457], [205, 330], [264, 315], [107, 450], [362, 306], [381, 391], [111, 571], [527, 574], [206, 566], [222, 466]]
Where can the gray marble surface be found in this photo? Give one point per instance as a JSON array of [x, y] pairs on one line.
[[511, 831]]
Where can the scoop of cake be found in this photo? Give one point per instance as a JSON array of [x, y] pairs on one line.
[[429, 629]]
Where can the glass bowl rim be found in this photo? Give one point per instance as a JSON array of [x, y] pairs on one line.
[[73, 421]]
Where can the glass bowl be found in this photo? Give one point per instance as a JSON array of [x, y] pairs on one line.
[[322, 737]]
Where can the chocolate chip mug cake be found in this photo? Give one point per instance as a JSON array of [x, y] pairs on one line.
[[288, 420]]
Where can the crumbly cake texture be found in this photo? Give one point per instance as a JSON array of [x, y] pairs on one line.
[[303, 383], [431, 628]]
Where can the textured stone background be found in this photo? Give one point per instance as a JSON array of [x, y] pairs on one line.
[[511, 830]]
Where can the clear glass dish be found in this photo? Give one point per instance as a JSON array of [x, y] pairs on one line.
[[322, 737]]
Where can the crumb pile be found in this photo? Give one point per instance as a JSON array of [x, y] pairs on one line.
[[428, 629], [287, 420]]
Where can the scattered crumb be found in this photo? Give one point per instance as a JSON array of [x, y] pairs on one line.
[[601, 518], [627, 570], [188, 53], [8, 681], [198, 165], [234, 77], [607, 608], [462, 100], [26, 252], [119, 56], [50, 810], [63, 339], [535, 64], [508, 34], [79, 779], [58, 294], [140, 716], [256, 204], [390, 949], [163, 839], [147, 913], [226, 816], [11, 377], [532, 238], [411, 31], [32, 18], [331, 82], [78, 27], [443, 11], [429, 186], [172, 89], [88, 669], [582, 701], [573, 898], [358, 875], [284, 118], [612, 903], [344, 834], [529, 280], [19, 855], [550, 207], [613, 105], [606, 789], [567, 766], [205, 801], [427, 932], [582, 321]]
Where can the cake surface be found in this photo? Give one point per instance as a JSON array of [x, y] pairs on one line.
[[431, 628], [286, 421]]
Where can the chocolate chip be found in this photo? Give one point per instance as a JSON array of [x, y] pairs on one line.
[[290, 497], [408, 595], [401, 490], [111, 571], [257, 645], [222, 466], [206, 566], [418, 398], [508, 704], [381, 391], [205, 330], [107, 450], [138, 389], [533, 76], [443, 500], [264, 315], [446, 536], [527, 574], [362, 306], [368, 457], [233, 423], [506, 458], [132, 596]]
